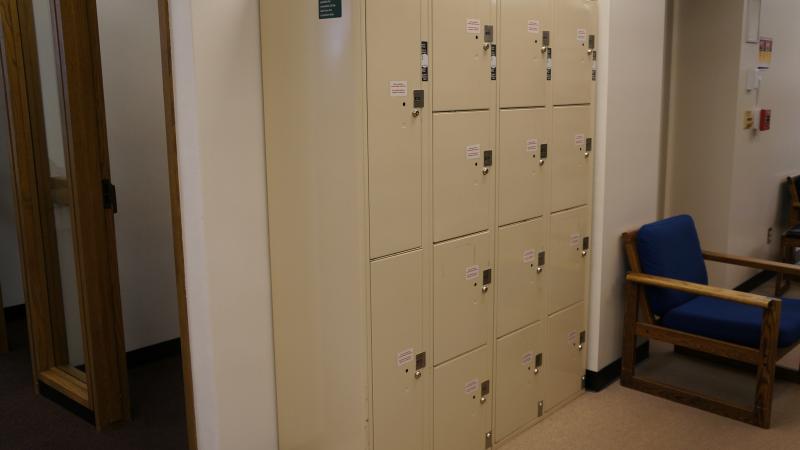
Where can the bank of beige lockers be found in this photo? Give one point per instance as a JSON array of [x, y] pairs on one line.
[[429, 176]]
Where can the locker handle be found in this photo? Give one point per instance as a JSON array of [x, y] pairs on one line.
[[586, 155], [584, 253], [541, 162], [485, 289], [486, 46], [483, 400], [415, 113], [539, 270], [418, 374], [485, 171], [536, 371]]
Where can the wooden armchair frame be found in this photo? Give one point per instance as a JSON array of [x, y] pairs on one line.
[[640, 321]]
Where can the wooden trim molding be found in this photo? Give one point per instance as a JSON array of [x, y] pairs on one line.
[[177, 230]]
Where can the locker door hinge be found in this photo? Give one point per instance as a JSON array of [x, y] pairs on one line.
[[109, 196], [493, 64], [541, 408], [424, 60], [593, 52], [488, 443]]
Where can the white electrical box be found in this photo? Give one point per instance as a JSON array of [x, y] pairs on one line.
[[429, 178]]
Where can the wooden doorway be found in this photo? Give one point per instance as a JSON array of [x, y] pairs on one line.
[[84, 189]]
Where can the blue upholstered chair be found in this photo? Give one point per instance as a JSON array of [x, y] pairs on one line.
[[668, 299]]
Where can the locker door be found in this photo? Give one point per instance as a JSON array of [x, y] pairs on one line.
[[395, 131], [461, 300], [522, 60], [571, 157], [462, 175], [397, 309], [566, 258], [520, 288], [519, 379], [576, 21], [461, 414], [461, 57], [522, 164], [565, 360]]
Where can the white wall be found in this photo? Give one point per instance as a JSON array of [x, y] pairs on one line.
[[628, 165], [762, 162], [220, 125], [130, 50]]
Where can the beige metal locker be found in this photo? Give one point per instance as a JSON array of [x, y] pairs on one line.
[[395, 126], [462, 296], [519, 380], [522, 53], [397, 352], [523, 166], [572, 51], [520, 275], [571, 157], [462, 173], [462, 408], [566, 355], [461, 55], [567, 258]]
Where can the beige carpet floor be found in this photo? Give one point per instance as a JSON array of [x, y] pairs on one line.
[[620, 418]]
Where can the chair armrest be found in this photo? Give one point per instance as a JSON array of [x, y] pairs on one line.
[[701, 289], [755, 263]]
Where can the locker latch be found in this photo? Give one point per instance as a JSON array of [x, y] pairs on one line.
[[487, 277], [419, 98], [424, 60], [538, 366], [487, 158], [488, 33], [488, 443], [582, 340], [545, 40], [585, 246], [541, 408], [588, 147], [542, 154], [541, 262], [485, 388], [421, 361], [583, 382]]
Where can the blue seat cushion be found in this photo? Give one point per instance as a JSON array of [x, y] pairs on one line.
[[670, 248], [732, 322]]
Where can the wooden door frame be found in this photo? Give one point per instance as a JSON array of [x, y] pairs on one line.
[[103, 387], [177, 230]]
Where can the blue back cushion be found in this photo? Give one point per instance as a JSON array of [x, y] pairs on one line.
[[670, 248]]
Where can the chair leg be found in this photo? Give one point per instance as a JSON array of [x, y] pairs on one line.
[[629, 333], [765, 378]]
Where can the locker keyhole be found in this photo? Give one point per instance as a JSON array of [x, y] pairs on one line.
[[404, 103], [476, 164]]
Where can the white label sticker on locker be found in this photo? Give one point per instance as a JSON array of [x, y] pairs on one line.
[[533, 26], [529, 256], [572, 338], [405, 357], [471, 387], [473, 26], [474, 151], [582, 35], [472, 272], [532, 145], [398, 88], [575, 240], [580, 140], [527, 359]]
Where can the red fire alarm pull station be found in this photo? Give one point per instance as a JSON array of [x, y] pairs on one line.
[[765, 120]]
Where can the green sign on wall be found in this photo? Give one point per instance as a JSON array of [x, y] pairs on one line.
[[330, 9]]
